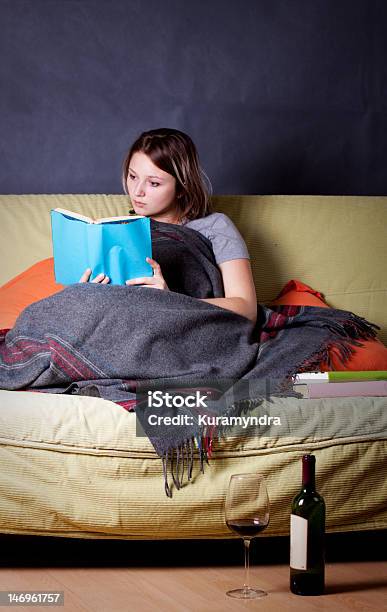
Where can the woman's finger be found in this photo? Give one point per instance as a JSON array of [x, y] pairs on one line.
[[155, 266], [100, 278], [146, 280], [85, 276]]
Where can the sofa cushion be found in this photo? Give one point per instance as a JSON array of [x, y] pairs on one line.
[[77, 467]]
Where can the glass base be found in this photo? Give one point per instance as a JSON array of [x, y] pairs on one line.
[[247, 593]]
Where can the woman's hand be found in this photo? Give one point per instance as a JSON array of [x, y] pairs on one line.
[[156, 281], [101, 278]]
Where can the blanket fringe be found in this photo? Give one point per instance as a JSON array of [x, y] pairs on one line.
[[179, 460], [164, 460], [349, 334]]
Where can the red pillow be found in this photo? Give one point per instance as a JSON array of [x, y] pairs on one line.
[[32, 285], [372, 355]]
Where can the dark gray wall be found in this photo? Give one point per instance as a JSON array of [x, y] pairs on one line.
[[280, 96]]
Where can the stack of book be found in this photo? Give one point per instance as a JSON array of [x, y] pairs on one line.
[[315, 385]]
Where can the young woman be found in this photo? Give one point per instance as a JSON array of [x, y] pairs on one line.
[[163, 178]]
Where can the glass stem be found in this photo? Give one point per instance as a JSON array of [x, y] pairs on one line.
[[246, 542]]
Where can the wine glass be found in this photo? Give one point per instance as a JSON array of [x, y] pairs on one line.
[[247, 514]]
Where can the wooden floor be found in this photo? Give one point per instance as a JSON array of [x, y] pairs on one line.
[[118, 576]]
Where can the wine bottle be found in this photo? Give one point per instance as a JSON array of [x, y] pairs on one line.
[[307, 535]]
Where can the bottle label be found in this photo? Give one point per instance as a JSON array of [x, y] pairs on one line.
[[298, 542]]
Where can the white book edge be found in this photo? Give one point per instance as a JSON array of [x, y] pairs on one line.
[[310, 377], [80, 217]]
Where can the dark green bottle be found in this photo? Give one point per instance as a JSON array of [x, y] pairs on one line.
[[307, 535]]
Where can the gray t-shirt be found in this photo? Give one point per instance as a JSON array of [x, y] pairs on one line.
[[227, 243]]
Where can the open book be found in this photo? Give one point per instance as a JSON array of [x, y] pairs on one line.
[[116, 246]]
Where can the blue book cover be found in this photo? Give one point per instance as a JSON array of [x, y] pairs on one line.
[[116, 246]]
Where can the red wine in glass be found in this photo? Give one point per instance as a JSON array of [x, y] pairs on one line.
[[246, 528], [247, 514]]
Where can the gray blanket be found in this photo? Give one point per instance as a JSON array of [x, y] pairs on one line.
[[120, 342]]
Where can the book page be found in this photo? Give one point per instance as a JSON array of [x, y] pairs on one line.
[[116, 219], [86, 219], [70, 213]]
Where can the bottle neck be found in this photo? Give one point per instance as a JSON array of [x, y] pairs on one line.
[[308, 473]]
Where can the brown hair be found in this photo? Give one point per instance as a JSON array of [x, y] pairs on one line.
[[175, 153]]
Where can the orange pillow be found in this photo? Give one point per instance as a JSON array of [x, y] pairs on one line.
[[296, 293], [32, 285], [372, 355]]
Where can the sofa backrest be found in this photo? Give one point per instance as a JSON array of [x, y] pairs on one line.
[[336, 244]]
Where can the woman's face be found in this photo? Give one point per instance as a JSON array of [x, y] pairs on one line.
[[152, 191]]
